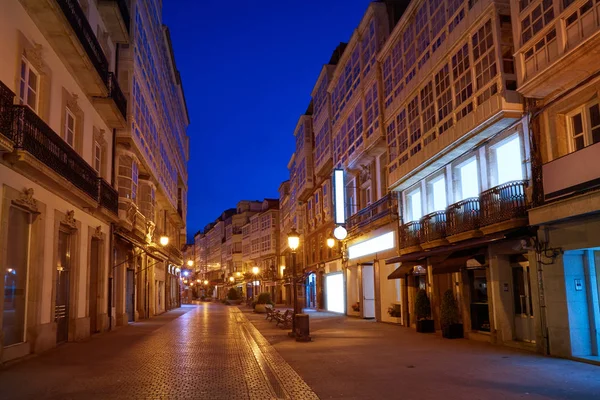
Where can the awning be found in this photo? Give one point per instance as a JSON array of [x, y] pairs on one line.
[[404, 269], [458, 259]]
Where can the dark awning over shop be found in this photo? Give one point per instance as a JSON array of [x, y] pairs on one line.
[[403, 269]]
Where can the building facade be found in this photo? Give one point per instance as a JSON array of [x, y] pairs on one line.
[[556, 59], [59, 107], [151, 173]]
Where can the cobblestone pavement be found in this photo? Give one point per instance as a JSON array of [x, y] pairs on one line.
[[206, 351], [352, 358]]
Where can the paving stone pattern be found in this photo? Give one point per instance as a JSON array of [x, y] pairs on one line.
[[208, 351]]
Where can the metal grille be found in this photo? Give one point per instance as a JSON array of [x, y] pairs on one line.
[[410, 234], [382, 208], [78, 21], [114, 92], [433, 226], [108, 196], [462, 216], [6, 102], [36, 137], [503, 202]]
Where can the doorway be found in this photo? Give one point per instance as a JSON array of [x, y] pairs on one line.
[[94, 290], [63, 269], [311, 291], [368, 289], [480, 311], [130, 295], [523, 306]]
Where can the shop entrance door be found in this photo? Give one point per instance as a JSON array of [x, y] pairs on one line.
[[368, 281], [524, 329], [480, 312], [311, 291], [63, 269]]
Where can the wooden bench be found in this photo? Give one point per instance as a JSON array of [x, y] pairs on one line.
[[271, 312], [285, 318]]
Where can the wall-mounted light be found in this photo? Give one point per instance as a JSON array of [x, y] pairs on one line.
[[164, 240], [231, 279], [330, 242], [190, 263]]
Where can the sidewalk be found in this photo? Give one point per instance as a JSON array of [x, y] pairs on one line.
[[353, 358]]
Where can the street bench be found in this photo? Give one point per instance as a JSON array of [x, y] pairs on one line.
[[271, 313], [285, 319]]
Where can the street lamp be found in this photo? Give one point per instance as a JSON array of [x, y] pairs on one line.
[[190, 263], [293, 244], [330, 242], [164, 240], [231, 279], [206, 282]]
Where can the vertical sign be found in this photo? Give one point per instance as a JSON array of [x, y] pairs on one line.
[[339, 196]]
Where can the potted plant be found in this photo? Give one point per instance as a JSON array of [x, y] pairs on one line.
[[262, 301], [233, 296], [356, 306], [423, 313], [449, 319]]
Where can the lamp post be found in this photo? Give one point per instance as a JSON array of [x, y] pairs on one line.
[[293, 244], [255, 271]]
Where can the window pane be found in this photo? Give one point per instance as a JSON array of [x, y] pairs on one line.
[[508, 161], [15, 277], [469, 181], [414, 206], [439, 194], [577, 124]]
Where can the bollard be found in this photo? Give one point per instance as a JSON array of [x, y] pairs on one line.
[[302, 328]]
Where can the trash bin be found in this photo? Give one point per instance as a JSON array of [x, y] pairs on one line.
[[302, 328]]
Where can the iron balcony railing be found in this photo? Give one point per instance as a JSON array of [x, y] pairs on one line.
[[108, 197], [382, 208], [462, 216], [6, 103], [498, 204], [503, 202], [78, 21], [33, 135], [410, 234], [114, 92], [433, 226]]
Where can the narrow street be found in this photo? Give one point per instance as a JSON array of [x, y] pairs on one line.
[[210, 351]]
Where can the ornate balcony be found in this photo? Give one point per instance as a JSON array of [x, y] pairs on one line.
[[502, 207], [462, 216], [410, 234], [66, 27], [433, 226], [33, 136], [504, 202], [113, 108], [379, 213], [108, 197], [115, 14]]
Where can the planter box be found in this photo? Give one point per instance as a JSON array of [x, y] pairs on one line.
[[396, 320], [262, 308], [454, 331], [235, 302], [425, 326]]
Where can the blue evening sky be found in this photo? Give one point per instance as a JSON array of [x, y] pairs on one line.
[[248, 68]]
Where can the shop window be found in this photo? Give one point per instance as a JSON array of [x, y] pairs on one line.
[[414, 210], [468, 179], [15, 277], [436, 193], [508, 164], [584, 126]]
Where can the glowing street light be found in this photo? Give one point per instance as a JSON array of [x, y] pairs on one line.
[[255, 270], [330, 242], [231, 279], [206, 282], [164, 240], [293, 244], [190, 263]]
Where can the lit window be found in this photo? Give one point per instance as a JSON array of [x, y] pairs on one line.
[[413, 205], [584, 126], [29, 86], [437, 194], [69, 128], [509, 161], [97, 157], [469, 179]]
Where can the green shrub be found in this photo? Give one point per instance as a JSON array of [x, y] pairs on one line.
[[264, 298], [232, 294], [449, 309], [422, 305]]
